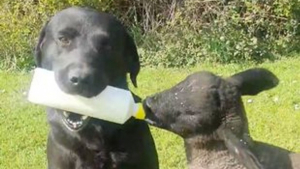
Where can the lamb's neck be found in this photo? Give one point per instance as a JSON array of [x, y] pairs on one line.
[[209, 154]]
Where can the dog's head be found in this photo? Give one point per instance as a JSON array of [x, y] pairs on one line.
[[203, 102], [87, 50]]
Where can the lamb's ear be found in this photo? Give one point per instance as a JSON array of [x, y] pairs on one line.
[[132, 58], [254, 81], [239, 150], [39, 46]]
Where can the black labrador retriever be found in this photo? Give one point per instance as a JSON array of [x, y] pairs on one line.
[[208, 112], [88, 50]]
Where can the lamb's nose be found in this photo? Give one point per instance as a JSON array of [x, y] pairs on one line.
[[148, 103]]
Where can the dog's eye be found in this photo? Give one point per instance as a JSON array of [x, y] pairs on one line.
[[64, 41]]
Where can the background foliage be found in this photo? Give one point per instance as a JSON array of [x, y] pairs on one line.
[[169, 33]]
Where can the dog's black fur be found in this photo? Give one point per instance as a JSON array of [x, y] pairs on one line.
[[88, 50], [208, 112]]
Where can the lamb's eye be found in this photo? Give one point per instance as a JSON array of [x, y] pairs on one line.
[[64, 41]]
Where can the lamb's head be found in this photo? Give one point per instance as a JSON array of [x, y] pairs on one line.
[[203, 103]]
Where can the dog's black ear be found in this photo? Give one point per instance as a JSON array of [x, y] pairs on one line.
[[239, 149], [39, 46], [254, 81], [132, 58]]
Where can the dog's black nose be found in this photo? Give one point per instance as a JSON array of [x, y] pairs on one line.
[[79, 80], [75, 80], [78, 77]]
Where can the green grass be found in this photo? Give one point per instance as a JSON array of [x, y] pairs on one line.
[[272, 114]]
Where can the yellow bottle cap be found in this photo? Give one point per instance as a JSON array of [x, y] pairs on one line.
[[140, 114]]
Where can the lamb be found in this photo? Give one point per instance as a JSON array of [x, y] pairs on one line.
[[208, 113]]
